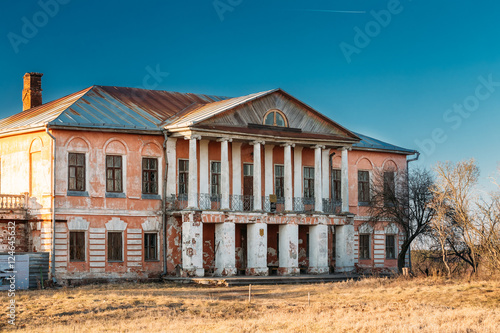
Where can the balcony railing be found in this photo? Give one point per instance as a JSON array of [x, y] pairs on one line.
[[13, 202], [245, 203]]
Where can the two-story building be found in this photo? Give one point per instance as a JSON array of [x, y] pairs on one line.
[[133, 183]]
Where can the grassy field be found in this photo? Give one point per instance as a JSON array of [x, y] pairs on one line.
[[370, 305]]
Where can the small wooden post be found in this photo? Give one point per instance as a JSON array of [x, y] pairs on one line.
[[249, 293]]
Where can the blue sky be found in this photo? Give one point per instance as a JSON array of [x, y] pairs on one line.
[[413, 60]]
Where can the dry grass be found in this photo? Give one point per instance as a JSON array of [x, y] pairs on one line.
[[371, 305]]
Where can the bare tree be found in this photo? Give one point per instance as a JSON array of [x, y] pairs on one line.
[[404, 199], [454, 194]]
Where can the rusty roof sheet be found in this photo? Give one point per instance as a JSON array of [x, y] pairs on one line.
[[108, 107], [371, 143]]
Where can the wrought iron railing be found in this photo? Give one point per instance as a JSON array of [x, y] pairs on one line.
[[13, 202], [245, 203]]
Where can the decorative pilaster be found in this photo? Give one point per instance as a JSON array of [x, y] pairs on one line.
[[345, 179], [193, 172], [288, 176], [318, 188], [257, 175], [224, 157], [237, 187], [172, 167], [297, 174], [204, 173]]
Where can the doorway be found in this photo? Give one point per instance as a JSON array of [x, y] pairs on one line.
[[248, 187]]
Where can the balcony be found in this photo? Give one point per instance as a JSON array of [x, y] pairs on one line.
[[13, 206], [245, 203]]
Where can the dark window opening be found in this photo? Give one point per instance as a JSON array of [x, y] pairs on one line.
[[279, 181], [77, 246], [308, 182], [390, 246], [363, 187], [389, 188], [364, 246], [336, 185], [150, 176], [76, 172], [115, 245], [114, 180], [151, 246], [215, 178], [183, 176]]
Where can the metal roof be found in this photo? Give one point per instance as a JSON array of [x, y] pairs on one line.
[[371, 143]]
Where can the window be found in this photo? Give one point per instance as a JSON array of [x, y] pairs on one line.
[[363, 187], [183, 176], [336, 185], [150, 176], [215, 178], [308, 182], [390, 248], [76, 172], [279, 181], [76, 246], [151, 246], [275, 118], [364, 246], [389, 188], [115, 244], [114, 173], [248, 170]]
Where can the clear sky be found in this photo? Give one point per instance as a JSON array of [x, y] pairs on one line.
[[422, 74]]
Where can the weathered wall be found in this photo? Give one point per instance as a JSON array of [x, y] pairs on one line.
[[22, 236]]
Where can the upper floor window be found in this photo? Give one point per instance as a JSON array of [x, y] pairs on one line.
[[215, 170], [114, 179], [363, 187], [308, 182], [275, 118], [336, 185], [279, 181], [183, 176], [150, 176], [76, 172]]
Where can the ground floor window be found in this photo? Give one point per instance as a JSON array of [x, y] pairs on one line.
[[115, 246], [77, 246], [151, 246], [390, 248], [364, 246]]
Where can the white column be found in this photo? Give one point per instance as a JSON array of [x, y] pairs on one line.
[[318, 191], [225, 255], [325, 172], [288, 176], [224, 157], [344, 252], [297, 178], [192, 248], [289, 249], [318, 249], [204, 174], [193, 173], [257, 176], [237, 187], [345, 180], [257, 249], [172, 167], [268, 171]]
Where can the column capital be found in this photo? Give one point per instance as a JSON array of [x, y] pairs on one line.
[[225, 139], [257, 142], [318, 146], [345, 148], [288, 144], [192, 137]]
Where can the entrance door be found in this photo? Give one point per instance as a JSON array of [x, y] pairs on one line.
[[248, 187], [244, 245]]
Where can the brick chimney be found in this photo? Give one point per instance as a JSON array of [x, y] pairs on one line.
[[32, 91]]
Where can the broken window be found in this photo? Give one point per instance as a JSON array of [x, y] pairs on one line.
[[215, 180], [150, 176], [308, 182], [151, 246], [363, 187], [77, 246], [114, 181], [76, 172], [279, 180], [115, 246], [364, 246], [390, 247], [183, 176]]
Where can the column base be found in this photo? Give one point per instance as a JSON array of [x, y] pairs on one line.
[[318, 270], [284, 271], [257, 271], [344, 269], [192, 272], [228, 271]]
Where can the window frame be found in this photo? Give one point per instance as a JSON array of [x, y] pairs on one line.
[[275, 111], [308, 181], [76, 167], [361, 184], [185, 173], [388, 246], [109, 244], [218, 176], [282, 180], [149, 173], [83, 252], [336, 185], [156, 247], [114, 174], [362, 246]]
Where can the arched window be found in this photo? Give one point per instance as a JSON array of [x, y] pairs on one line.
[[275, 118]]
